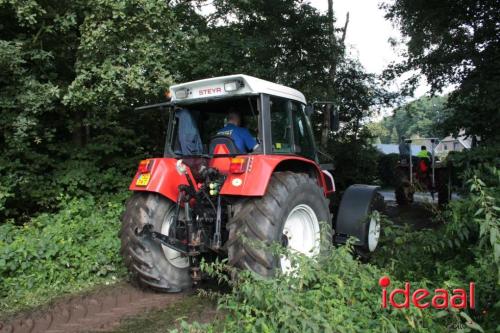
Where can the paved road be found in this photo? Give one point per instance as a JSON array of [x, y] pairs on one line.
[[422, 197]]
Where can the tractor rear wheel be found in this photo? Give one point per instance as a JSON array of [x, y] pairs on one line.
[[289, 214], [403, 191], [152, 263]]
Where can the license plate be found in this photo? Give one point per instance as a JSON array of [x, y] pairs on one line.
[[143, 179]]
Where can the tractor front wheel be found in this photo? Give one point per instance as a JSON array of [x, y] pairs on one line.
[[288, 214], [152, 263]]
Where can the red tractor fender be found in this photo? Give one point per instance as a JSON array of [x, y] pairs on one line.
[[164, 178], [260, 168]]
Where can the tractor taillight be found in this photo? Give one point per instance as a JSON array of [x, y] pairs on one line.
[[238, 165], [145, 166]]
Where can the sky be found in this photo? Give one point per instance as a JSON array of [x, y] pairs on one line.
[[368, 34]]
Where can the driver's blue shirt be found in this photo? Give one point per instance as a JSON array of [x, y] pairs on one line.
[[242, 138]]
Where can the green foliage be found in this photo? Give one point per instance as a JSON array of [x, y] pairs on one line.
[[70, 73], [386, 167], [466, 247], [355, 161], [422, 117], [378, 132], [62, 252], [461, 163], [454, 42], [335, 293], [237, 40], [475, 158], [38, 182]]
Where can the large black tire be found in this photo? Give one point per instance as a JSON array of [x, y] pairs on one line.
[[356, 218], [144, 257], [262, 220]]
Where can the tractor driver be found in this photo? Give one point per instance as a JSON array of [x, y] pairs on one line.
[[242, 138], [423, 153]]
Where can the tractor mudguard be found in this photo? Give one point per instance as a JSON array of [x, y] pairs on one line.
[[259, 171], [355, 207], [163, 178]]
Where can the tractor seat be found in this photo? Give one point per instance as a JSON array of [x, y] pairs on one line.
[[222, 145]]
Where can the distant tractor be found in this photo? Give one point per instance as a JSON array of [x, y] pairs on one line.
[[422, 175], [206, 198]]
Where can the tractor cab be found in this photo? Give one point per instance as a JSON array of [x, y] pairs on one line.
[[272, 113], [272, 116]]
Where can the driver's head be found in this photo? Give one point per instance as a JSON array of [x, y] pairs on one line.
[[234, 117]]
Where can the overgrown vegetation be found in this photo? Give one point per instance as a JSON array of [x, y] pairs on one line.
[[61, 252], [453, 43], [465, 247]]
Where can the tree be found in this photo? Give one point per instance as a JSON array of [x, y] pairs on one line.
[[281, 41], [455, 42], [70, 72], [334, 61], [378, 132], [422, 117]]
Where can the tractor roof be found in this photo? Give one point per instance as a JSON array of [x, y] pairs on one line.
[[231, 85]]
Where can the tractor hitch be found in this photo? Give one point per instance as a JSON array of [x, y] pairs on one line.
[[174, 244]]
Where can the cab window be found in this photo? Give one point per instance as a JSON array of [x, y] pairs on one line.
[[290, 128], [302, 135], [281, 131]]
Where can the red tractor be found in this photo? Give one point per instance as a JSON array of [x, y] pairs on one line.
[[206, 198]]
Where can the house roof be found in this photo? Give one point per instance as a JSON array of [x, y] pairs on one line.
[[467, 143], [215, 87], [391, 148]]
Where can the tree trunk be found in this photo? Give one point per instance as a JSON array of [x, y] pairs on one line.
[[333, 70], [78, 129]]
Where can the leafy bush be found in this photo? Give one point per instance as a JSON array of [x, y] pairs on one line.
[[465, 248], [60, 252], [355, 162], [333, 294], [464, 161], [386, 166], [33, 183]]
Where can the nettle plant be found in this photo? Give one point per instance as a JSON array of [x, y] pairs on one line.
[[331, 293], [464, 247]]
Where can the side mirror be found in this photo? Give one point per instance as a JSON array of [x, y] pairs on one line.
[[334, 113], [334, 120]]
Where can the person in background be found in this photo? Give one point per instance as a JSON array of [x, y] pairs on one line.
[[423, 153], [242, 138], [404, 149]]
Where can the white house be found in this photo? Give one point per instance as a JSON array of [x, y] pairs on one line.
[[453, 144]]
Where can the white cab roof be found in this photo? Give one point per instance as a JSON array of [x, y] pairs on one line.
[[214, 87]]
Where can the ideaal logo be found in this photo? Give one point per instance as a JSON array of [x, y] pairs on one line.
[[440, 299]]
